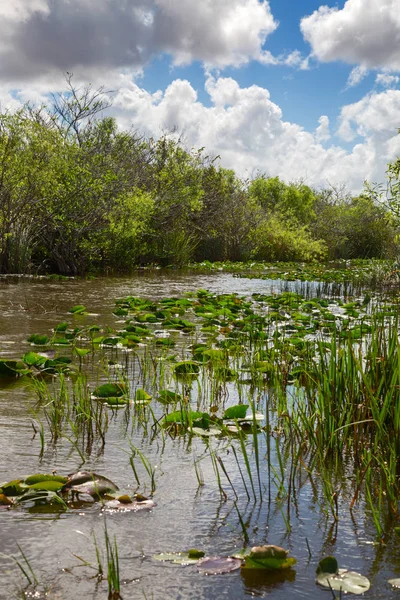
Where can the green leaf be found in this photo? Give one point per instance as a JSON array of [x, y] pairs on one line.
[[109, 390], [236, 412]]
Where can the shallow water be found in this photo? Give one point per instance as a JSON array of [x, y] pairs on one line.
[[186, 515]]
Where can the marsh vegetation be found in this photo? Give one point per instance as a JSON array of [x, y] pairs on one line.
[[154, 423]]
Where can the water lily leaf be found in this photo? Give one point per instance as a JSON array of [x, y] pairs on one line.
[[40, 477], [177, 558], [34, 359], [133, 506], [268, 551], [271, 564], [217, 565], [168, 397], [194, 553], [187, 367], [329, 564], [61, 326], [141, 396], [53, 486], [13, 488], [213, 431], [236, 412], [344, 581], [38, 340], [13, 368], [81, 352], [78, 309], [110, 390], [183, 417]]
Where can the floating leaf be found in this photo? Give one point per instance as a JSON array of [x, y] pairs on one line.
[[141, 396], [133, 506], [168, 397], [273, 558], [187, 367], [110, 390], [40, 477], [236, 412], [177, 558], [38, 340], [344, 581], [78, 309], [217, 565]]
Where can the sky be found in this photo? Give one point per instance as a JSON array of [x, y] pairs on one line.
[[290, 88]]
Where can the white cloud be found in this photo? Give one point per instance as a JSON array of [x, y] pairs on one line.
[[365, 32], [246, 128], [322, 133], [386, 80], [44, 37], [356, 75]]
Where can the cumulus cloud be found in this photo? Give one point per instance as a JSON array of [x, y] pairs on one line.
[[247, 129], [48, 36], [387, 80], [363, 32], [322, 133]]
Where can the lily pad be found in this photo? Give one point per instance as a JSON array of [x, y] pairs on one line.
[[341, 580], [217, 565], [236, 412], [78, 309], [272, 558], [177, 558], [110, 390]]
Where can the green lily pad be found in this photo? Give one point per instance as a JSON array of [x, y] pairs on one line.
[[187, 367], [236, 412], [38, 340], [110, 390], [177, 558], [141, 396], [41, 477], [78, 309], [168, 397], [272, 558]]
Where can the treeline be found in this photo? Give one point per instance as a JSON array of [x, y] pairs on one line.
[[77, 195]]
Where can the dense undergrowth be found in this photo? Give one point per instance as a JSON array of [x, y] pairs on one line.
[[79, 196]]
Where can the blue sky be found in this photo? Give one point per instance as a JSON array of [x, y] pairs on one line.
[[295, 88]]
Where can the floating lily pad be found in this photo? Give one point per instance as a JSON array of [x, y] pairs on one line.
[[187, 367], [132, 506], [13, 368], [216, 565], [141, 396], [236, 412], [177, 558], [168, 397], [78, 309], [341, 580], [273, 558], [41, 477], [110, 390], [38, 340]]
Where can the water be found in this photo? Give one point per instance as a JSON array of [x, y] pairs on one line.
[[186, 515]]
